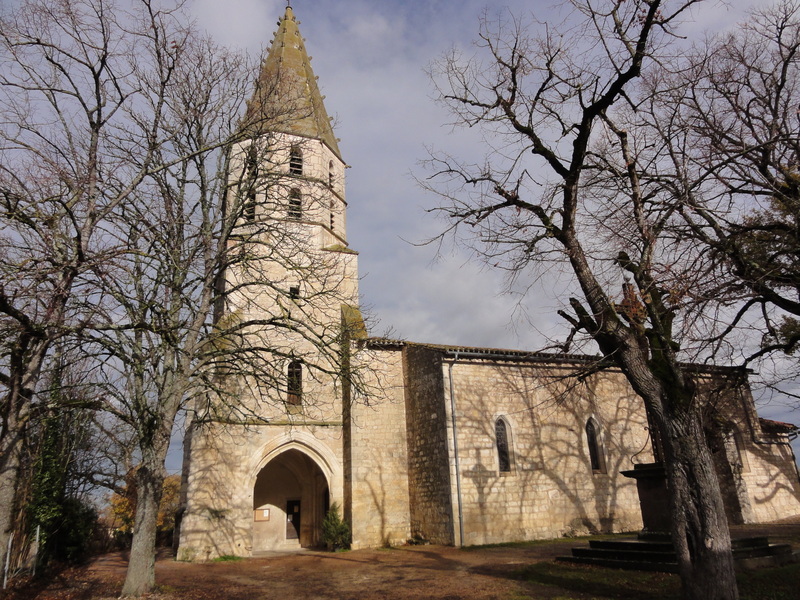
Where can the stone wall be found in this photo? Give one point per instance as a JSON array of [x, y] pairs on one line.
[[771, 479], [551, 489], [378, 461], [756, 469], [225, 465], [428, 456]]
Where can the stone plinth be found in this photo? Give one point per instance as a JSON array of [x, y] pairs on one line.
[[651, 483]]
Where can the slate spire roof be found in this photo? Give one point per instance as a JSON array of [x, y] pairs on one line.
[[287, 98]]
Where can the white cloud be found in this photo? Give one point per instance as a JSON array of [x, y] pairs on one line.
[[370, 58], [241, 23]]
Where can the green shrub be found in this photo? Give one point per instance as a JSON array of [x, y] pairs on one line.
[[335, 532]]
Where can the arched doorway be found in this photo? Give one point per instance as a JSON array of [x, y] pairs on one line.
[[290, 498]]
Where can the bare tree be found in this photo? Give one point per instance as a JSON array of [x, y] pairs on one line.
[[724, 147], [560, 181], [209, 289], [115, 230], [66, 163]]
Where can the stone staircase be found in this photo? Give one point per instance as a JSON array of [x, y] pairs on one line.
[[655, 552]]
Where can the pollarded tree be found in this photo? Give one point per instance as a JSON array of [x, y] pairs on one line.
[[545, 106]]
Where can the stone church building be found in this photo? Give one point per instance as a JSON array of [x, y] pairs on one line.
[[449, 444]]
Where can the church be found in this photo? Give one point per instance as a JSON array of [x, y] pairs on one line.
[[452, 445]]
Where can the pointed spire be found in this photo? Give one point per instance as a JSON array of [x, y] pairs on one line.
[[287, 97]]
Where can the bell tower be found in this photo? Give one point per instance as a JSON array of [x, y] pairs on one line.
[[286, 192], [262, 468]]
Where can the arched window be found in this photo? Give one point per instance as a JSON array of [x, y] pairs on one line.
[[503, 447], [295, 205], [295, 161], [596, 454], [294, 383], [330, 174]]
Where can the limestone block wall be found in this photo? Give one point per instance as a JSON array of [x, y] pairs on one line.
[[430, 485], [225, 463], [771, 479], [551, 489], [379, 509], [757, 470], [765, 461]]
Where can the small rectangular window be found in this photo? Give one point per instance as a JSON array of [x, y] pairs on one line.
[[295, 205], [250, 207], [295, 161], [294, 292]]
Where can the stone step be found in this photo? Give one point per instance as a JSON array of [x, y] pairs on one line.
[[750, 542], [632, 544], [655, 554], [625, 555], [654, 536], [758, 551]]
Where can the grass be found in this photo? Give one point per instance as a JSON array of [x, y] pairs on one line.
[[227, 558], [602, 583], [775, 583]]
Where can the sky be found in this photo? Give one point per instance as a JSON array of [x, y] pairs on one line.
[[371, 59]]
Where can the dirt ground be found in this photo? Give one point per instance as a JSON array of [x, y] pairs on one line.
[[436, 572], [439, 572]]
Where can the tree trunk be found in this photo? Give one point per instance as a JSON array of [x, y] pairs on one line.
[[699, 523], [12, 439], [141, 576], [10, 453]]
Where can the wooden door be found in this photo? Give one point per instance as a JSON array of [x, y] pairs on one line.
[[293, 519]]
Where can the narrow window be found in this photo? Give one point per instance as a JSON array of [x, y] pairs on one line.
[[251, 180], [501, 440], [295, 205], [294, 292], [596, 457], [330, 174], [250, 207], [294, 383], [295, 161]]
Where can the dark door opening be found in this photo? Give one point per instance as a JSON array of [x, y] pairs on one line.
[[292, 519]]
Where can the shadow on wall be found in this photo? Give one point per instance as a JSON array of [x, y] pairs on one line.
[[551, 486], [762, 457], [285, 507], [378, 494], [215, 525]]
